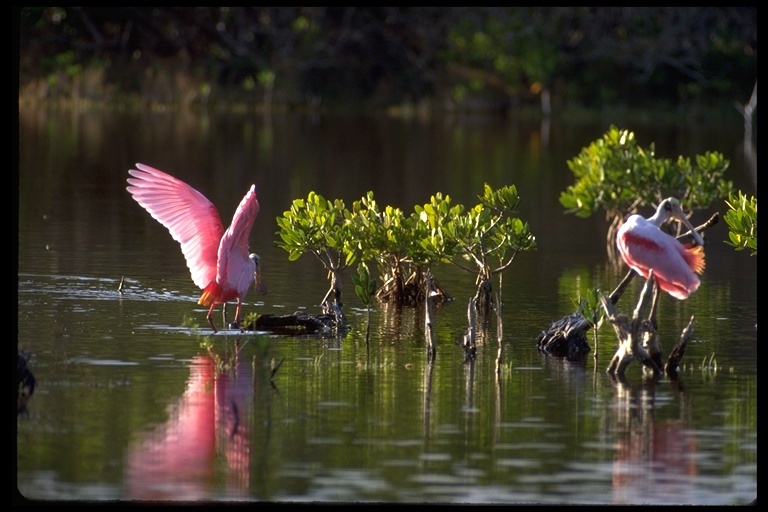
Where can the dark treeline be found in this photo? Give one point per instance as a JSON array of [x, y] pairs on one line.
[[463, 57]]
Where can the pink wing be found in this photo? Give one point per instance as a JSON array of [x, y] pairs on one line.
[[191, 218], [645, 247], [235, 270]]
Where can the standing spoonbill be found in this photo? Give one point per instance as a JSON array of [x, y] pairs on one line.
[[217, 259], [645, 248]]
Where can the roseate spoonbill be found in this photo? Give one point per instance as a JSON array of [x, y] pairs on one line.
[[645, 247], [217, 259]]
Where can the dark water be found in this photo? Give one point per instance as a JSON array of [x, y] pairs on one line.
[[131, 405]]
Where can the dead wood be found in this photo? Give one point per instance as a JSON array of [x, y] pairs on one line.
[[673, 361], [636, 336], [297, 323]]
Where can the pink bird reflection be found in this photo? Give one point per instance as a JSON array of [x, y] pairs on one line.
[[656, 464], [180, 459]]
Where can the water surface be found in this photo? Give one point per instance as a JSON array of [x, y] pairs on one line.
[[131, 405]]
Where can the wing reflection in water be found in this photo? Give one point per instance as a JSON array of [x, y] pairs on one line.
[[181, 458], [654, 459]]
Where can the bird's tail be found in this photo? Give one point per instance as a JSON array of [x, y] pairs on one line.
[[694, 256], [210, 294]]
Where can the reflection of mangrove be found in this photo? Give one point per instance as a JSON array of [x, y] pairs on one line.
[[653, 460], [211, 421], [479, 329], [433, 297], [567, 337], [399, 322], [479, 334], [427, 405], [468, 343]]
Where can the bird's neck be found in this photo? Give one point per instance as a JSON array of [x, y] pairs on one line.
[[658, 218]]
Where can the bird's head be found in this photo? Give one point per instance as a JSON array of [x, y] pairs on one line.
[[669, 209], [258, 285]]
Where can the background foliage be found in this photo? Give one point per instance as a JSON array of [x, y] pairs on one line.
[[492, 58]]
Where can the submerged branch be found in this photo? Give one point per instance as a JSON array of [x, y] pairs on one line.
[[673, 361]]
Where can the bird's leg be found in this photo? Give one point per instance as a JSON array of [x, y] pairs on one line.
[[224, 313], [210, 316], [650, 338], [237, 315], [643, 334]]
